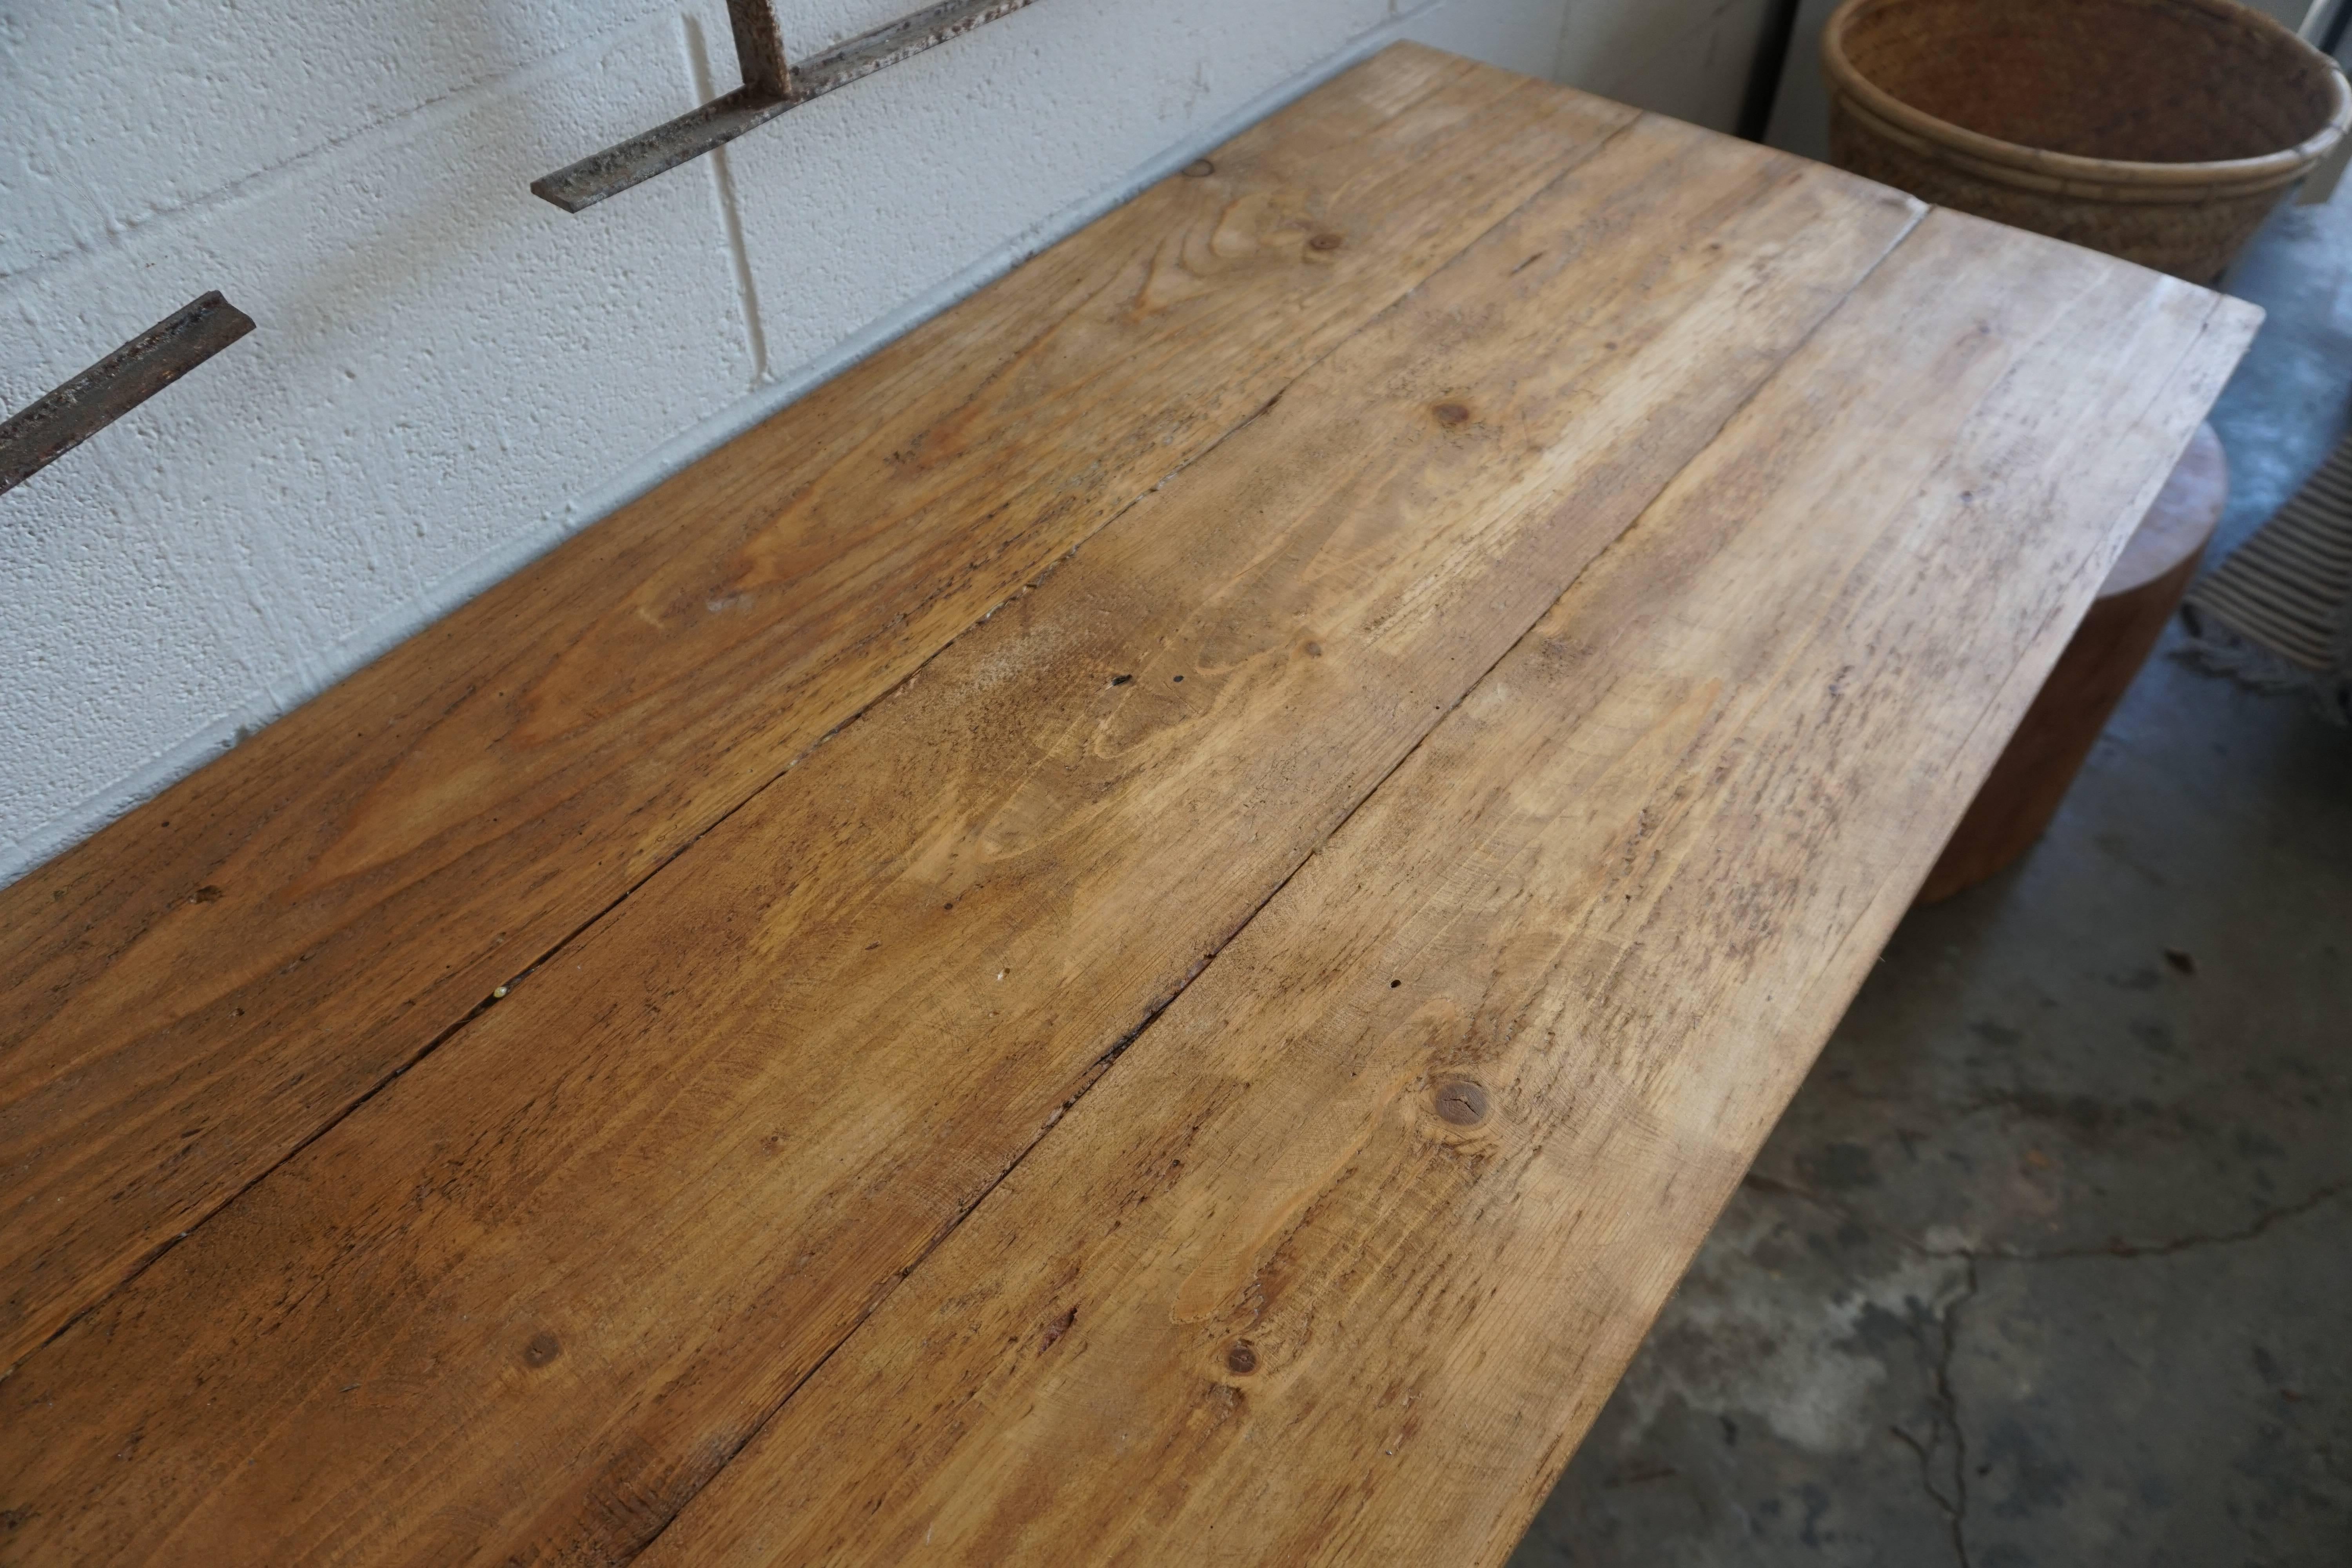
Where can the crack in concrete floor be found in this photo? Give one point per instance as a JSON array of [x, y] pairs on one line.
[[1948, 1423], [1958, 1506], [2115, 1247]]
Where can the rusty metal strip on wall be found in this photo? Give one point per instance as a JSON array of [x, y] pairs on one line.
[[54, 424], [770, 86]]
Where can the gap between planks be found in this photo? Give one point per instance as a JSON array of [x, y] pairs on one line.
[[951, 1422], [110, 1197], [1690, 419], [1109, 1059]]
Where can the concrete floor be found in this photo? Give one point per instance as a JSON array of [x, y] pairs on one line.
[[2050, 1262]]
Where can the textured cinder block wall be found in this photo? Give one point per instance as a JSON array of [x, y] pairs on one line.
[[449, 374]]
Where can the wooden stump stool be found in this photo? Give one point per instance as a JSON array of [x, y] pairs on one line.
[[2114, 639]]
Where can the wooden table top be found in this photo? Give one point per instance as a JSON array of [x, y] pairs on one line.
[[1147, 930]]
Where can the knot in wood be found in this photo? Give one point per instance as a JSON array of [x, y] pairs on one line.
[[1462, 1102], [1241, 1360]]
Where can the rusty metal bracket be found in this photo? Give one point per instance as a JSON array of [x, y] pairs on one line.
[[53, 425], [770, 86]]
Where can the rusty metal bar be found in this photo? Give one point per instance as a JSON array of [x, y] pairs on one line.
[[770, 86], [51, 427], [759, 45]]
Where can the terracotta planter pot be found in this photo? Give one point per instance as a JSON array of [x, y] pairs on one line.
[[2159, 130]]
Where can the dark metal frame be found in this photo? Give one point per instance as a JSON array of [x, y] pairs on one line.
[[39, 435], [770, 86]]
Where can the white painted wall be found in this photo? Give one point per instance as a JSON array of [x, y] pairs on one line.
[[451, 376], [1689, 59]]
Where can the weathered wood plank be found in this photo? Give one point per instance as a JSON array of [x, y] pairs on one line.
[[188, 996], [1342, 1256], [527, 1300]]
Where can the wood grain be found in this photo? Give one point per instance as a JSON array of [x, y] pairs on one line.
[[188, 996], [2052, 743], [522, 1304], [1343, 1255]]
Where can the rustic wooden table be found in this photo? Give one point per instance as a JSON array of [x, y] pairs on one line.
[[1147, 930]]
